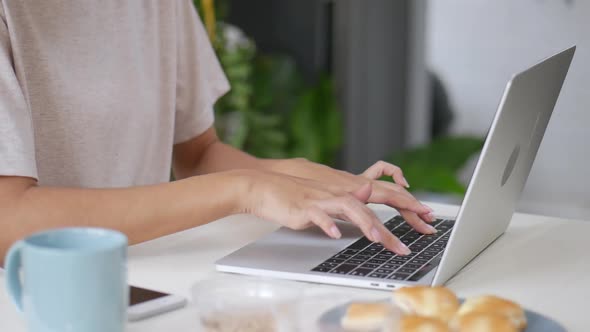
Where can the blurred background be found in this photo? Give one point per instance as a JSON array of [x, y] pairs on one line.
[[413, 82]]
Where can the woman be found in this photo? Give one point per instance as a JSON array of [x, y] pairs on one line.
[[111, 95]]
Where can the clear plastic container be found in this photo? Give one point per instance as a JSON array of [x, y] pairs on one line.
[[231, 303]]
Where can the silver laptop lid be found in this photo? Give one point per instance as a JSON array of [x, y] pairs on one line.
[[505, 162]]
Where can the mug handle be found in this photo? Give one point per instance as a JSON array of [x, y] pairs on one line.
[[13, 266]]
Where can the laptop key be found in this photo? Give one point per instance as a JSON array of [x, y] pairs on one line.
[[371, 250], [343, 269], [426, 255], [399, 232], [378, 275], [370, 266], [412, 266], [424, 242], [364, 257], [432, 251], [386, 271], [360, 272], [355, 261], [321, 269], [410, 235], [368, 252], [341, 256], [393, 223], [405, 227], [376, 261], [398, 276], [390, 266], [334, 260], [377, 245], [404, 270], [360, 244], [406, 241], [400, 258], [416, 247], [420, 261], [383, 257]]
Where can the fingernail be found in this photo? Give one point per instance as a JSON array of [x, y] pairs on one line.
[[403, 249], [335, 232], [430, 216], [376, 235], [431, 229], [406, 183]]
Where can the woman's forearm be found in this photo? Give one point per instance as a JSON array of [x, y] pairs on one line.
[[206, 154], [142, 213]]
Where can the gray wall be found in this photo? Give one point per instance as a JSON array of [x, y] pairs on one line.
[[475, 45], [380, 73]]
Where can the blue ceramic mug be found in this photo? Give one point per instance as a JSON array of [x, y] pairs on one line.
[[73, 280]]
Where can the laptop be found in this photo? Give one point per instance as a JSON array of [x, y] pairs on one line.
[[495, 187]]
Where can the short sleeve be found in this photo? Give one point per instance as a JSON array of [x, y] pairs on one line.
[[17, 150], [200, 78]]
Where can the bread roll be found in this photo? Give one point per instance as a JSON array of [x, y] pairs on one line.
[[494, 304], [435, 302], [482, 322], [414, 323], [365, 316]]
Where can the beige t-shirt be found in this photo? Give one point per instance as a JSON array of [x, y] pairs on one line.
[[96, 93]]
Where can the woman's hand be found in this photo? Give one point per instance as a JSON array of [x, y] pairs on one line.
[[299, 203], [383, 192]]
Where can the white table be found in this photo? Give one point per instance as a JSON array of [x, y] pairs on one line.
[[541, 262]]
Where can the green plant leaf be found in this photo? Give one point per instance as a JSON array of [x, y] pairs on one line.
[[434, 167], [276, 83]]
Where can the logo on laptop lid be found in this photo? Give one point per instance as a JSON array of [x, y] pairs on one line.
[[510, 165]]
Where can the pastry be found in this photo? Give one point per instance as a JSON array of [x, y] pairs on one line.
[[494, 304], [482, 322], [365, 316], [415, 323], [435, 302]]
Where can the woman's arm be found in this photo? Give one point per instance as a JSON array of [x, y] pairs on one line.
[[206, 154], [148, 212], [142, 213]]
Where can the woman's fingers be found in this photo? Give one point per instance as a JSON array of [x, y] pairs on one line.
[[417, 223], [391, 242], [351, 209], [324, 221], [382, 168], [384, 185], [399, 201], [392, 198]]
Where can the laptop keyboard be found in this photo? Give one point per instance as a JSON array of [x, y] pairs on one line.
[[368, 259]]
